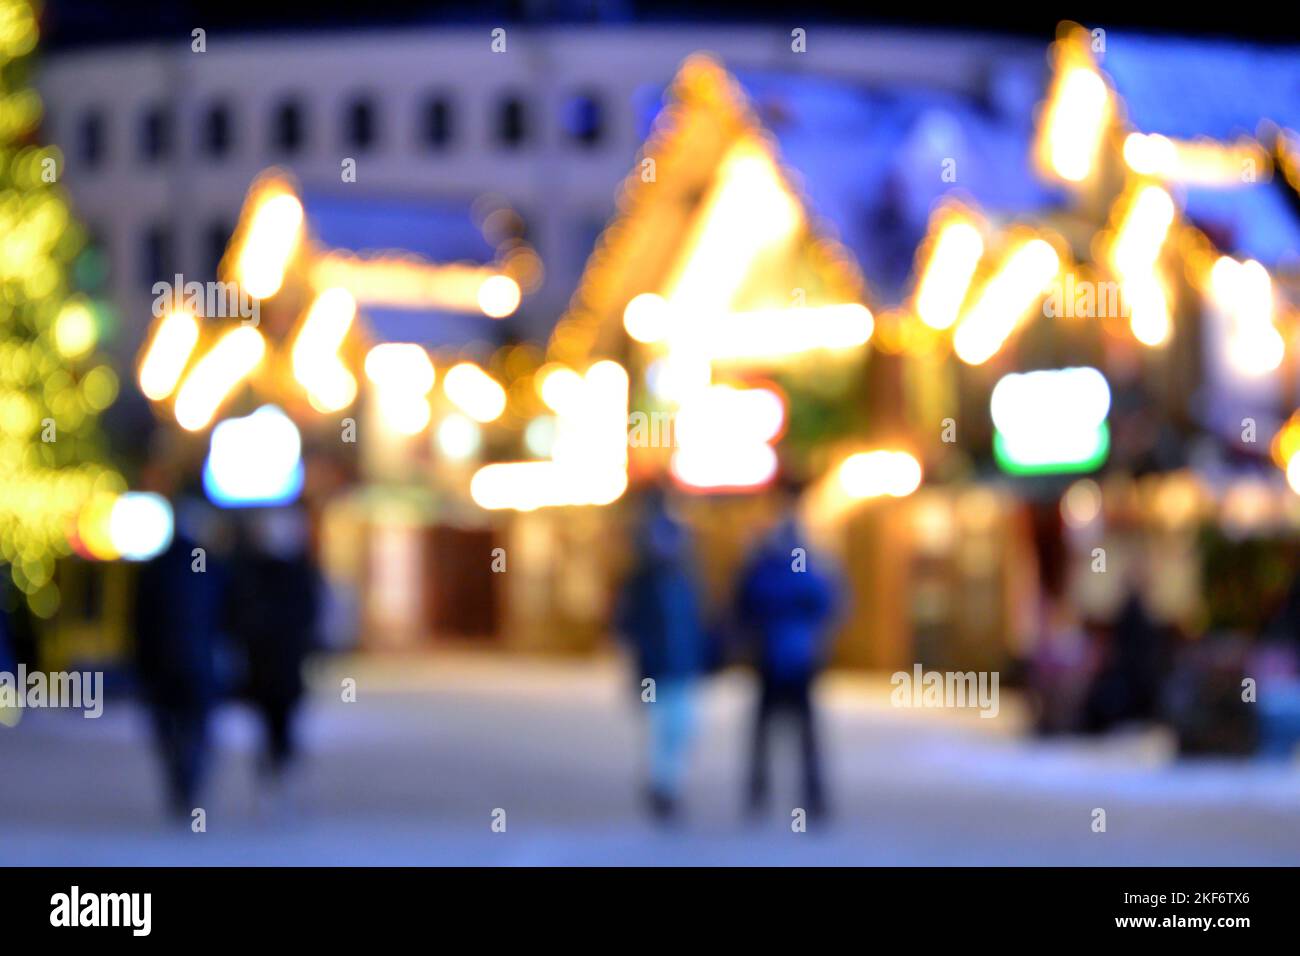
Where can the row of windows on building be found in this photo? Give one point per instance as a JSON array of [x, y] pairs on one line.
[[361, 127], [158, 260]]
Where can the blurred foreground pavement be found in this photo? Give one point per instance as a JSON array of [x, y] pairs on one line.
[[411, 772]]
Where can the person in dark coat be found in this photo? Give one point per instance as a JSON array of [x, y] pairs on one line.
[[659, 615], [1127, 687], [274, 601], [786, 600], [177, 610]]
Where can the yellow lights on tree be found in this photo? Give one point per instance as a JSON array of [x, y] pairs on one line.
[[51, 387], [1005, 298], [725, 436], [1078, 112], [315, 357], [589, 452], [403, 376], [167, 355], [269, 242], [95, 527], [474, 392], [873, 474], [948, 272], [1243, 291], [499, 296], [75, 332], [214, 377], [1134, 256]]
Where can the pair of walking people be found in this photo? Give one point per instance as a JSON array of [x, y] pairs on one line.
[[783, 606]]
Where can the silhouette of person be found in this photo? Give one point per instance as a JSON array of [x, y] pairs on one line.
[[176, 615], [658, 614], [785, 602]]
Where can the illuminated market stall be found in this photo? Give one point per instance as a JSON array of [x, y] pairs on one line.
[[362, 305]]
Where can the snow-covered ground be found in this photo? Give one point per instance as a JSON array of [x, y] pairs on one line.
[[412, 771]]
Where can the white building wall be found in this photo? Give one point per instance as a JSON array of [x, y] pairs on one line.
[[559, 186]]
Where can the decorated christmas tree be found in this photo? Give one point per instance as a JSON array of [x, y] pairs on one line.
[[52, 385]]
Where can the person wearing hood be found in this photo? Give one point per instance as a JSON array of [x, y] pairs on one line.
[[786, 600], [659, 616]]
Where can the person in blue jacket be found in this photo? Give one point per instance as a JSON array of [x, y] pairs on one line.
[[658, 614], [786, 601]]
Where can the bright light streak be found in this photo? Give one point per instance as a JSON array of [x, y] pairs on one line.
[[679, 375], [782, 333], [1076, 120], [315, 356], [559, 387], [403, 376], [948, 273], [1199, 163], [1004, 300], [1051, 421], [1293, 473], [589, 452], [269, 243], [646, 318], [400, 365], [403, 283], [406, 413], [1134, 256], [167, 355], [529, 485], [474, 392], [499, 296], [872, 474], [748, 212], [1244, 292], [539, 436], [724, 437], [254, 461], [215, 375], [592, 433], [1143, 231], [459, 438], [140, 525]]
